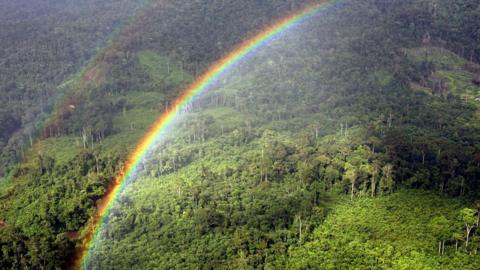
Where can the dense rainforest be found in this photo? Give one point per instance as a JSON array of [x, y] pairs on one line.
[[352, 141]]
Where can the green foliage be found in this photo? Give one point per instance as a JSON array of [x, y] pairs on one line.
[[441, 227], [47, 202], [163, 71], [392, 232], [41, 252], [441, 58]]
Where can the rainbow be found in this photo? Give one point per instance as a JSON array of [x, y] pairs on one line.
[[160, 127]]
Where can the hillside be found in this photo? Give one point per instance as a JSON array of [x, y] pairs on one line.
[[352, 141], [399, 231], [43, 45]]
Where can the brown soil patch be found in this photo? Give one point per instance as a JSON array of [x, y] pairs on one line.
[[72, 234], [92, 74]]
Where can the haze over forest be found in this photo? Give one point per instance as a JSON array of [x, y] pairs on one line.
[[350, 140]]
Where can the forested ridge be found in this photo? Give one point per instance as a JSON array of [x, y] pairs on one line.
[[352, 142], [43, 45]]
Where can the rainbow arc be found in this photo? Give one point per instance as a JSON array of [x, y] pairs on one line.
[[166, 120]]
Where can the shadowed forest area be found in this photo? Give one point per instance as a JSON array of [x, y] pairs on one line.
[[352, 141]]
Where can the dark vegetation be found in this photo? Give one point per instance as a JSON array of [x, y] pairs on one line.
[[44, 43], [358, 146]]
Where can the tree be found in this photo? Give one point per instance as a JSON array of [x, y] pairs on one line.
[[350, 175], [386, 181], [375, 168], [467, 215], [441, 228]]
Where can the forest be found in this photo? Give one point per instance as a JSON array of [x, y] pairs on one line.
[[351, 142]]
